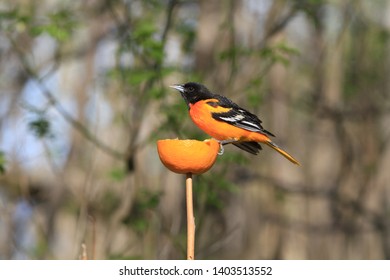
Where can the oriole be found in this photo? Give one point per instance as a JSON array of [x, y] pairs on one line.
[[225, 121]]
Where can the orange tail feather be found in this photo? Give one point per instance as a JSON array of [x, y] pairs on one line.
[[282, 152]]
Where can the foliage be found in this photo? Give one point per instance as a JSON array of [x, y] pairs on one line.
[[40, 127], [60, 26], [117, 174], [2, 162], [139, 218], [106, 70]]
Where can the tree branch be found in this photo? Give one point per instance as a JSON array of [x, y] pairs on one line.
[[61, 110]]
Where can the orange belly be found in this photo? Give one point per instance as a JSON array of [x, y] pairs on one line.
[[201, 116]]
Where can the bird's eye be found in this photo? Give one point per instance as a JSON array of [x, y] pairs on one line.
[[191, 89]]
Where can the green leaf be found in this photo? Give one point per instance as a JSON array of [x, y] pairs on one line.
[[117, 174], [279, 53], [149, 200], [157, 92], [255, 97], [143, 30], [154, 49], [14, 20], [109, 203], [40, 127], [187, 31], [283, 48], [13, 14], [60, 26], [234, 52], [139, 217], [2, 162], [174, 115], [137, 76], [54, 31], [234, 157]]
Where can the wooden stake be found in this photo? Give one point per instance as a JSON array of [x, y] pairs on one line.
[[190, 219]]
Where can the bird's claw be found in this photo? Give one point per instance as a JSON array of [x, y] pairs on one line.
[[222, 143], [221, 149], [225, 142]]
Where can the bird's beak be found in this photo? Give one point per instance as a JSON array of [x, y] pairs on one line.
[[178, 87]]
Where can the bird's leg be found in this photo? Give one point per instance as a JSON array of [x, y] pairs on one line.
[[221, 149], [224, 142]]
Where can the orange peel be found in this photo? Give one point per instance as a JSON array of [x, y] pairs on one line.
[[188, 156]]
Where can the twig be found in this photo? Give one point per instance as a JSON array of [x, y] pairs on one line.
[[53, 101], [190, 219], [93, 224], [83, 255], [75, 123], [168, 23]]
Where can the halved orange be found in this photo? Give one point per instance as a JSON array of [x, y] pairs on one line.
[[188, 156]]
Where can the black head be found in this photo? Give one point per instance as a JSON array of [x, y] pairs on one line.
[[193, 92]]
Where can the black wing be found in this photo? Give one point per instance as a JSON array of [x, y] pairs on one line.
[[250, 147], [239, 117]]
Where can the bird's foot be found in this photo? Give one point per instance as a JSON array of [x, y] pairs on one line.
[[225, 142], [222, 143], [221, 149]]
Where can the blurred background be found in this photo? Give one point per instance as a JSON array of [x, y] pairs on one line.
[[84, 97]]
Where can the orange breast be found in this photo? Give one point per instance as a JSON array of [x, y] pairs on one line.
[[200, 114]]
